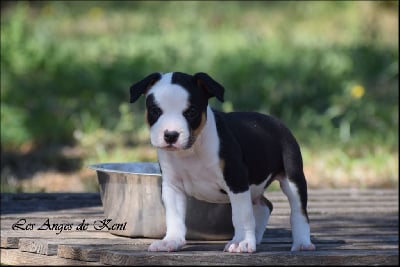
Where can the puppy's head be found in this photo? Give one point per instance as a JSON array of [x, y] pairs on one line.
[[176, 106]]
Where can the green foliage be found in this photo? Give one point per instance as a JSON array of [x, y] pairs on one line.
[[66, 66]]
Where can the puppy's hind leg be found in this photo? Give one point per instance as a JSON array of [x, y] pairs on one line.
[[262, 209], [294, 186], [297, 196]]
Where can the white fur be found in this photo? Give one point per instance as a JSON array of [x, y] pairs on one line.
[[298, 221], [258, 190], [243, 221], [173, 100], [175, 207], [261, 215], [196, 171]]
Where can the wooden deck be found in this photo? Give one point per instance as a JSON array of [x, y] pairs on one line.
[[349, 227]]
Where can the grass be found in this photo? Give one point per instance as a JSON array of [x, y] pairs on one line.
[[329, 70]]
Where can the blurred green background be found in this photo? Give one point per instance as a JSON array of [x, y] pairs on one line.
[[329, 70]]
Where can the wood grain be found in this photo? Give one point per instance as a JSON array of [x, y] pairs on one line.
[[16, 257], [348, 226], [333, 257]]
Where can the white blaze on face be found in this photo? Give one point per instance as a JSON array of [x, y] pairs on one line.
[[173, 101]]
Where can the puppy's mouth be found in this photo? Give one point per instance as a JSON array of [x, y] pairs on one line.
[[175, 147], [170, 148]]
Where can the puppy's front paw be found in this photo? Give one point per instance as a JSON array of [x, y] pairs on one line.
[[246, 246], [167, 245], [303, 247]]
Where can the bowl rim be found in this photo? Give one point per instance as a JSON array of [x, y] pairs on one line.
[[103, 167]]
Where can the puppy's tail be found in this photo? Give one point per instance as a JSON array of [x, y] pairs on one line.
[[293, 165]]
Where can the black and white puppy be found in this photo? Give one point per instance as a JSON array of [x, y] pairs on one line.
[[220, 158]]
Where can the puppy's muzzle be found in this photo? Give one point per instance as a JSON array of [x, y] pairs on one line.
[[170, 137]]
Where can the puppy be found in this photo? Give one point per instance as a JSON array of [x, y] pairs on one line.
[[220, 157]]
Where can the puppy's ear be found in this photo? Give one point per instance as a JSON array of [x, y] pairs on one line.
[[141, 87], [211, 87]]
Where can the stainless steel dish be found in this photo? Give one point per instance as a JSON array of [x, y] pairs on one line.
[[131, 193]]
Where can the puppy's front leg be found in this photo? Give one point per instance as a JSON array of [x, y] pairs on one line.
[[175, 209], [243, 220]]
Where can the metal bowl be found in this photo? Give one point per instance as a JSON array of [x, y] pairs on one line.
[[131, 193]]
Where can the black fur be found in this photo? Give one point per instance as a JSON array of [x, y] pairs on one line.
[[198, 95], [153, 110], [141, 87], [209, 85], [253, 146]]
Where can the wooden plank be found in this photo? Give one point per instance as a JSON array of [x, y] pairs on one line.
[[284, 247], [49, 196], [352, 210], [9, 242], [90, 198], [80, 212], [336, 233], [16, 257], [348, 226], [317, 222], [50, 246], [334, 195], [69, 199], [51, 234], [11, 239], [51, 203], [333, 257], [38, 246], [276, 199], [34, 202], [337, 240], [93, 252], [352, 191], [355, 219], [378, 224], [312, 211], [342, 204], [339, 231], [329, 246]]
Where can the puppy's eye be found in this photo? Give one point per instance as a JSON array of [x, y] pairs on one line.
[[191, 113], [155, 111]]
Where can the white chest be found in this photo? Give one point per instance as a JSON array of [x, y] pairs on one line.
[[197, 176], [196, 171]]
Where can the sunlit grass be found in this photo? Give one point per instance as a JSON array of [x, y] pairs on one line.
[[337, 168]]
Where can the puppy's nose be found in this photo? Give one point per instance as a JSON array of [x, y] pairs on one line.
[[170, 136]]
